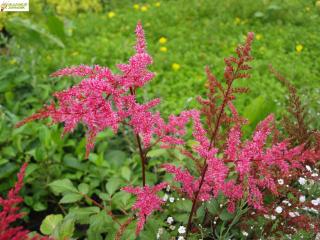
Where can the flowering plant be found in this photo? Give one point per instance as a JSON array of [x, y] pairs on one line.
[[228, 170]]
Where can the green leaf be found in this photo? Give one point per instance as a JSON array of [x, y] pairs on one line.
[[36, 31], [56, 26], [116, 157], [61, 186], [50, 223], [225, 215], [257, 110], [120, 199], [71, 198], [157, 152], [126, 173], [82, 215], [112, 185], [66, 229], [100, 222], [83, 188], [213, 207]]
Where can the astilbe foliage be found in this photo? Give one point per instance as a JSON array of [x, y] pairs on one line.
[[9, 213], [296, 122], [147, 202]]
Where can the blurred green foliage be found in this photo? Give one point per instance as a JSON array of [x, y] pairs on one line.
[[56, 34]]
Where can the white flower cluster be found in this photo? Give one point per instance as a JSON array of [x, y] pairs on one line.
[[315, 202], [278, 209], [294, 214], [160, 232]]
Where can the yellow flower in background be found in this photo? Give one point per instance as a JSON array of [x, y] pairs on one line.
[[163, 40], [144, 8], [136, 6], [237, 21], [259, 37], [318, 4], [299, 48], [157, 4], [176, 66], [163, 49], [111, 14]]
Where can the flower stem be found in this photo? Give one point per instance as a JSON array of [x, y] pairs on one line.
[[205, 167], [143, 162]]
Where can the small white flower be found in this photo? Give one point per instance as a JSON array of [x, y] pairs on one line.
[[171, 199], [286, 202], [314, 175], [180, 238], [292, 214], [308, 168], [244, 233], [273, 217], [302, 180], [170, 220], [280, 181], [278, 209], [302, 198], [315, 202], [165, 197], [181, 230], [266, 216], [160, 231], [168, 188], [172, 227]]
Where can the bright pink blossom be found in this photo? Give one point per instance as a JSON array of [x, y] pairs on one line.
[[10, 213], [147, 202]]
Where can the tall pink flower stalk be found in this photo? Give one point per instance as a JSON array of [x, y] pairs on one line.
[[105, 100]]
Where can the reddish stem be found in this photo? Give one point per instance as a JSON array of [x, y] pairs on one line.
[[142, 156], [205, 168]]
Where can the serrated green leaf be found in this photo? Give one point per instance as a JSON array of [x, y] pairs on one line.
[[113, 185], [225, 215], [71, 198], [61, 186], [50, 223], [83, 188], [126, 173]]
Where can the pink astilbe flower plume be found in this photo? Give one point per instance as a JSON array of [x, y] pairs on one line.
[[147, 202], [103, 99], [10, 213], [135, 73]]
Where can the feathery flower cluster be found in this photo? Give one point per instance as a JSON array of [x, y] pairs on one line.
[[104, 100], [9, 213], [147, 202]]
